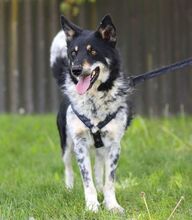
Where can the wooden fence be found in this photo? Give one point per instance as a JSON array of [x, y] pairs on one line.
[[150, 34]]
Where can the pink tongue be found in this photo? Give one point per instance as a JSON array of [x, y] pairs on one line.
[[83, 84]]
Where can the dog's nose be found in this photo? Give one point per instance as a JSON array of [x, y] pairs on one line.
[[76, 70]]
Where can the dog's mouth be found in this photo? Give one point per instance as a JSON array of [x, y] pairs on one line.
[[85, 81]]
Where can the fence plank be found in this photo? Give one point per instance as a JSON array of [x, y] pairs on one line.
[[13, 56], [27, 58], [2, 59], [189, 49], [54, 27], [40, 57]]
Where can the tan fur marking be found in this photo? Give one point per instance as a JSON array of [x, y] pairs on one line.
[[76, 48], [86, 65], [113, 128], [79, 127], [89, 47], [70, 34], [93, 52]]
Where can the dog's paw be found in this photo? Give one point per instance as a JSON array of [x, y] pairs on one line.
[[69, 182], [69, 187], [92, 206], [116, 208]]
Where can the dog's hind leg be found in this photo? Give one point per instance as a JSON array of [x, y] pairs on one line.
[[66, 146], [99, 168]]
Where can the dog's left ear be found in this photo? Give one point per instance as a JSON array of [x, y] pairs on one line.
[[71, 30], [107, 30]]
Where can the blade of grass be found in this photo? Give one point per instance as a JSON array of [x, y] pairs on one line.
[[146, 205], [177, 205]]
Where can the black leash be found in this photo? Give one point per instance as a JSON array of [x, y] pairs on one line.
[[163, 70]]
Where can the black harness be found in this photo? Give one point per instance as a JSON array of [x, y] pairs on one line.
[[95, 130]]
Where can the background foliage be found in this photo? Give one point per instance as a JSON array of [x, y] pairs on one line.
[[72, 7]]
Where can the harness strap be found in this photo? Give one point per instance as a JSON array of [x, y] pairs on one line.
[[95, 130], [83, 118]]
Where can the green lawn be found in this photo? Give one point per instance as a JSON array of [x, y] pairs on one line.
[[156, 159]]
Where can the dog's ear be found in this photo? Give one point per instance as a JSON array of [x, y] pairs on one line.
[[107, 30], [71, 30]]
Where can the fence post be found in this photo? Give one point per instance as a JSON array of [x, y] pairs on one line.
[[13, 56], [54, 27], [40, 57], [2, 59], [27, 62]]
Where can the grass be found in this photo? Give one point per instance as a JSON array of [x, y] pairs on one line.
[[156, 159]]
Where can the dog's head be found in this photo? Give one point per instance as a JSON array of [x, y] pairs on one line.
[[92, 54]]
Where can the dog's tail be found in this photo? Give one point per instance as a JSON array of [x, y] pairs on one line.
[[58, 47], [58, 58]]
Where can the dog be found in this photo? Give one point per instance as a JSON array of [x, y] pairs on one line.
[[95, 111]]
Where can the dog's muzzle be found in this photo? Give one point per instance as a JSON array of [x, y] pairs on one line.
[[86, 79]]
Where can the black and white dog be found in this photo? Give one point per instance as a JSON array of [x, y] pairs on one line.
[[86, 65]]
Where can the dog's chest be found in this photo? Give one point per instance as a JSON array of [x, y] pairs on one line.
[[95, 105], [98, 107]]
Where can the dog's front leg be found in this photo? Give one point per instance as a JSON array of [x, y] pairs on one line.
[[111, 159], [99, 168], [83, 159], [79, 135]]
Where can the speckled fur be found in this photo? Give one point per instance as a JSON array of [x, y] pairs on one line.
[[95, 105]]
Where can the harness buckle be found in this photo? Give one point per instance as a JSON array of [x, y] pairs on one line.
[[97, 139]]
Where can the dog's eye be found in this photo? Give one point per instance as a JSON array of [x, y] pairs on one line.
[[93, 52], [73, 53]]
